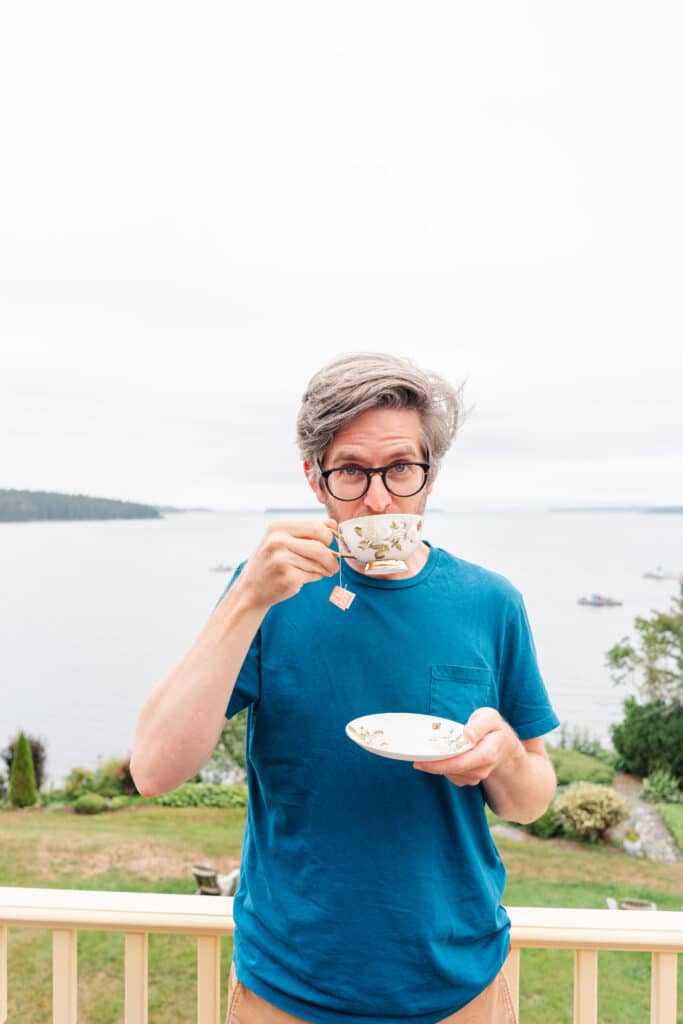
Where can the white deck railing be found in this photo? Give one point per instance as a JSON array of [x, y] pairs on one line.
[[67, 911]]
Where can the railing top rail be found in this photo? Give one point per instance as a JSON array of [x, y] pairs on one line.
[[574, 928], [116, 911], [568, 928]]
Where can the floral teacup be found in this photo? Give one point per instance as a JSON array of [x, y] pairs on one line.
[[381, 542]]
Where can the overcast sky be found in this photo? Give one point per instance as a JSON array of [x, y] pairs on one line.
[[202, 203]]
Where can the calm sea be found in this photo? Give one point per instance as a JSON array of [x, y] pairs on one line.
[[94, 613]]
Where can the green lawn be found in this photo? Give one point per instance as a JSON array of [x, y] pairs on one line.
[[147, 848], [673, 816]]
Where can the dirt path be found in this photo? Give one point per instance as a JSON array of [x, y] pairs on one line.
[[656, 842]]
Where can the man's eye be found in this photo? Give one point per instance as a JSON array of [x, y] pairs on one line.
[[350, 471], [400, 467]]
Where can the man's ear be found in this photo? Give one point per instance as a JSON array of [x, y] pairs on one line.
[[433, 473], [313, 483]]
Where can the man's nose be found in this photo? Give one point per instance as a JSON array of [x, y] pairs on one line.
[[377, 497]]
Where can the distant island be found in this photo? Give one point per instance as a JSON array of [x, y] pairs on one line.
[[29, 506]]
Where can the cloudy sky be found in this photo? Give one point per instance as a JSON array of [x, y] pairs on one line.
[[202, 203]]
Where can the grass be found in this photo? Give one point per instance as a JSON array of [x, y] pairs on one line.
[[140, 849], [673, 816], [573, 766], [147, 848]]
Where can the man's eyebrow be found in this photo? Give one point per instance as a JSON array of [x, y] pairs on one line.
[[348, 455]]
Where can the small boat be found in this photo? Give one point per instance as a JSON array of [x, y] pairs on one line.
[[600, 601], [221, 568], [659, 573]]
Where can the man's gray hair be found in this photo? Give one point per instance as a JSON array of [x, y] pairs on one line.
[[354, 383]]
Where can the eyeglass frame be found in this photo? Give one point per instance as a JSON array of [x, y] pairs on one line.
[[382, 470]]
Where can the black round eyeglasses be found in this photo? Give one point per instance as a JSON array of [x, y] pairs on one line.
[[402, 479]]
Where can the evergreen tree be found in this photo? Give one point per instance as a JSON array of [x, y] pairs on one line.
[[23, 791], [38, 752]]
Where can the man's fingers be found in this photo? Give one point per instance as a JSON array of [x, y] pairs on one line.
[[481, 722], [312, 551]]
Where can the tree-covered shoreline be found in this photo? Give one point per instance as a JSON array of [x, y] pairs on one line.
[[33, 506]]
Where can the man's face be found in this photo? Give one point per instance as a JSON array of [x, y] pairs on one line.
[[378, 437]]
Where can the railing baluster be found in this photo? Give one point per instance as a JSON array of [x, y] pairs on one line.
[[585, 986], [511, 970], [3, 975], [663, 981], [137, 915], [208, 979], [65, 976], [135, 971]]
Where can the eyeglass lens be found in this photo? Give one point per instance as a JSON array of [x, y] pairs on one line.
[[402, 480]]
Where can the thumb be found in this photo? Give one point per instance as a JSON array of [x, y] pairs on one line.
[[478, 724]]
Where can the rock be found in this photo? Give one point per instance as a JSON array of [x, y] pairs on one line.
[[519, 835]]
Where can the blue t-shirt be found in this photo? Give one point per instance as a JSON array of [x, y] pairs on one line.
[[370, 891]]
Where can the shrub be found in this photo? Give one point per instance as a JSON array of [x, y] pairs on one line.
[[78, 782], [56, 805], [650, 737], [572, 766], [586, 810], [118, 802], [125, 779], [52, 796], [113, 778], [90, 803], [38, 753], [547, 826], [661, 787], [204, 794], [228, 761], [23, 791]]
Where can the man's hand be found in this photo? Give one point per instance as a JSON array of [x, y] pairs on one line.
[[290, 555], [517, 777], [494, 744]]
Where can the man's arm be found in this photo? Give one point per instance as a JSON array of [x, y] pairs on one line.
[[517, 776], [182, 719]]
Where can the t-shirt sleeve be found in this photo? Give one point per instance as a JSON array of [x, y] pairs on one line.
[[524, 699], [248, 683]]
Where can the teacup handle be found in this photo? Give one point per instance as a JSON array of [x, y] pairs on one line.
[[346, 553]]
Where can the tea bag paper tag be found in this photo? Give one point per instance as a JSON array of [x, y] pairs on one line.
[[342, 598]]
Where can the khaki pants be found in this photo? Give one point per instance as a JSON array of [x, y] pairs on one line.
[[492, 1006]]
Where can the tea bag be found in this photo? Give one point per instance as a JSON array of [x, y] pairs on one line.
[[341, 596]]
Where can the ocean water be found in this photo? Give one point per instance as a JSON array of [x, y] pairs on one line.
[[92, 614]]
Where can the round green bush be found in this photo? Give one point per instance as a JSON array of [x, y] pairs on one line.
[[90, 803], [586, 810]]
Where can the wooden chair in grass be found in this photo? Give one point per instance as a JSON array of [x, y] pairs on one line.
[[211, 883]]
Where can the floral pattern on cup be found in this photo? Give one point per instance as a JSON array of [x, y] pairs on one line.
[[374, 538]]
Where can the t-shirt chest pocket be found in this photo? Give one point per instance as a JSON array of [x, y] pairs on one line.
[[458, 690]]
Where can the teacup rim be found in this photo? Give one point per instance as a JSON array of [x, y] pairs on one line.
[[382, 515]]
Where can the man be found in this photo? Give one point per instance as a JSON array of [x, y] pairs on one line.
[[370, 889]]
